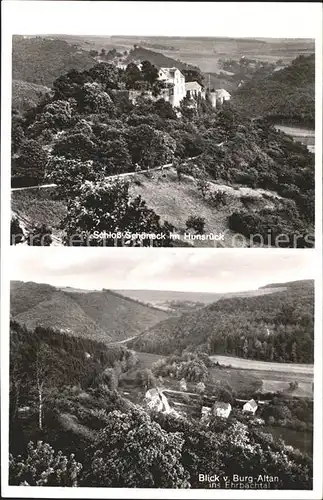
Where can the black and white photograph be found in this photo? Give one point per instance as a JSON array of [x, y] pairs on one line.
[[163, 141], [161, 250], [198, 376]]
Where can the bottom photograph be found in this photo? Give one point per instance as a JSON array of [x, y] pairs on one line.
[[161, 368]]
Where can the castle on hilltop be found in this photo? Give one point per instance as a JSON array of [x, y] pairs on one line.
[[176, 89]]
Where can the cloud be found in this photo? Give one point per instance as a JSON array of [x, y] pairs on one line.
[[173, 269]]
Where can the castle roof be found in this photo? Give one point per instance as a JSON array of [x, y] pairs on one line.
[[193, 86]]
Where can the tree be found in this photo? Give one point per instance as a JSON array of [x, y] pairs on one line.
[[132, 75], [76, 146], [29, 167], [147, 455], [200, 387], [114, 156], [16, 232], [149, 72], [110, 379], [102, 209], [45, 370], [94, 99], [203, 186], [193, 75], [70, 175], [43, 467], [39, 235], [150, 147], [145, 378], [196, 223]]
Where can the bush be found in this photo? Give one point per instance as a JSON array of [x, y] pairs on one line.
[[219, 198], [196, 223], [39, 235], [16, 232]]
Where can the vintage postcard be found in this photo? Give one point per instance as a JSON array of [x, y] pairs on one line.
[[161, 237], [163, 141]]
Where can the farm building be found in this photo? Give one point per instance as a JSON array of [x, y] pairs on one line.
[[250, 406], [220, 409], [222, 95], [156, 400]]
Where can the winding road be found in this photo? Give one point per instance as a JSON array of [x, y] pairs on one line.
[[110, 177]]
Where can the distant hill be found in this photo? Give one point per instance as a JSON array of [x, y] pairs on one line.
[[41, 60], [272, 327], [285, 96], [156, 58], [180, 302], [98, 315]]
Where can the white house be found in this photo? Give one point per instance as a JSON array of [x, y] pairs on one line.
[[222, 95], [156, 400], [175, 81], [153, 400], [250, 406], [221, 409]]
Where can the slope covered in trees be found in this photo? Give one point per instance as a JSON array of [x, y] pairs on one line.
[[287, 95], [274, 327], [41, 60], [101, 315], [87, 128]]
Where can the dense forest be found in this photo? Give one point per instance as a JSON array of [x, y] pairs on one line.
[[284, 96], [273, 327], [73, 430], [86, 128]]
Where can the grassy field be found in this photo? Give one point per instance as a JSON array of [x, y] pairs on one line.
[[304, 389], [176, 201]]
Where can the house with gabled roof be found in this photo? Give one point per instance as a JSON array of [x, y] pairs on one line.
[[220, 409], [250, 406], [222, 95]]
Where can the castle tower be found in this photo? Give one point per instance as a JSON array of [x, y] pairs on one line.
[[212, 98]]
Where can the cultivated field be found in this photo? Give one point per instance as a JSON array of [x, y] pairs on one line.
[[247, 364], [304, 389]]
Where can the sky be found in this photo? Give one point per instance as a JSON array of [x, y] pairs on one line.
[[234, 19], [201, 270]]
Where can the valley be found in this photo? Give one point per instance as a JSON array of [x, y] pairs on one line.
[[97, 374]]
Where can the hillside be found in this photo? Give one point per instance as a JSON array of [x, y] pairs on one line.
[[98, 315], [272, 327], [287, 95], [240, 180], [40, 60], [26, 95], [156, 58]]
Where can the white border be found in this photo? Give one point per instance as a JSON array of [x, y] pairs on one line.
[[289, 20]]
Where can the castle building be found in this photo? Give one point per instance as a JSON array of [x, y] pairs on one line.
[[175, 84]]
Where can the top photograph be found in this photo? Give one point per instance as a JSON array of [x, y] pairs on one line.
[[162, 141]]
